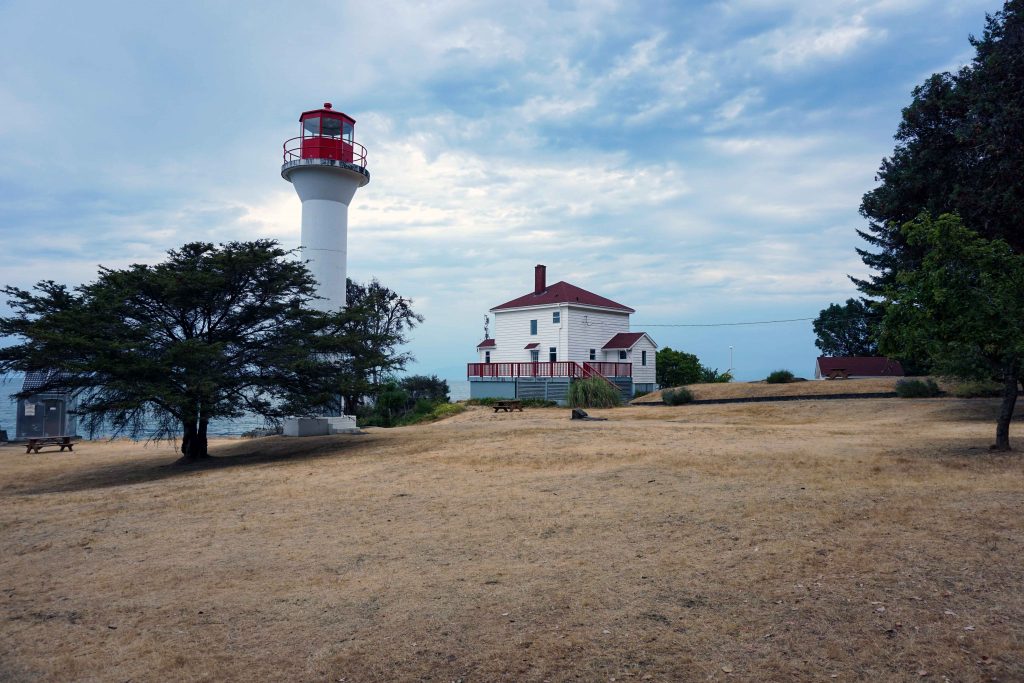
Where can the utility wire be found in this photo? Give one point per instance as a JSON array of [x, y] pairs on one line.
[[756, 322]]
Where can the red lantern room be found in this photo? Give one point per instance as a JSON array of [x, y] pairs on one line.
[[326, 134]]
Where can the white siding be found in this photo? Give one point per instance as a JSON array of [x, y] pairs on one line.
[[643, 374], [512, 334], [591, 329]]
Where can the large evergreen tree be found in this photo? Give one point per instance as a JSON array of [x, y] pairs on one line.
[[211, 332], [958, 151]]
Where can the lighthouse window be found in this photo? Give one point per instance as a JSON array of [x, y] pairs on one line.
[[331, 128], [346, 131], [311, 126]]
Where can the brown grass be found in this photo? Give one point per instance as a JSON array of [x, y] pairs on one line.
[[832, 540], [727, 390]]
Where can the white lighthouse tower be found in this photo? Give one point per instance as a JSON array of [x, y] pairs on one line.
[[326, 165]]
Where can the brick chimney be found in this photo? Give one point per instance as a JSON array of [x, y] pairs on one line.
[[540, 279]]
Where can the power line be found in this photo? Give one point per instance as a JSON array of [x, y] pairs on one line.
[[757, 322]]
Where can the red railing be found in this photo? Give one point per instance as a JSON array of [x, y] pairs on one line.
[[318, 147], [566, 368]]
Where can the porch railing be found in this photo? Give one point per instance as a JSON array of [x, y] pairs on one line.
[[560, 368]]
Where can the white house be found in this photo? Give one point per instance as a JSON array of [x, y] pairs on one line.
[[545, 339]]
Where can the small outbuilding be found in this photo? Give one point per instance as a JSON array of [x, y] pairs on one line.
[[856, 367], [48, 413]]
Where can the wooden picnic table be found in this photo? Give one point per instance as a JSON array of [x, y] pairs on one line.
[[508, 406], [43, 442]]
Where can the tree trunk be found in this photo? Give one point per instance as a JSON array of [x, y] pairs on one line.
[[193, 441], [1010, 379]]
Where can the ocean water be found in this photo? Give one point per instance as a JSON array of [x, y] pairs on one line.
[[459, 391]]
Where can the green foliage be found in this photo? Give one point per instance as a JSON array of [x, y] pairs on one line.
[[378, 323], [486, 401], [847, 330], [977, 389], [678, 368], [958, 151], [714, 376], [210, 332], [429, 387], [677, 397], [780, 377], [593, 392], [961, 307], [916, 388]]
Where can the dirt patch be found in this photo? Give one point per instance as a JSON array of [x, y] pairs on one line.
[[798, 541]]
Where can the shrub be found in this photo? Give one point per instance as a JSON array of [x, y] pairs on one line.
[[780, 377], [916, 388], [593, 392], [677, 397], [424, 406], [978, 390]]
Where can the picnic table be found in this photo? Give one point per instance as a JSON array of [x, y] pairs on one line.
[[43, 442], [508, 406], [838, 373]]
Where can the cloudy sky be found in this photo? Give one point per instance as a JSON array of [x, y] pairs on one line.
[[701, 162]]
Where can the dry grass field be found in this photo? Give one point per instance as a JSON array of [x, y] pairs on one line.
[[813, 540], [734, 390]]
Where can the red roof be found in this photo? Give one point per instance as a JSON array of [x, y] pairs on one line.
[[869, 366], [623, 340], [531, 346], [561, 293], [485, 342]]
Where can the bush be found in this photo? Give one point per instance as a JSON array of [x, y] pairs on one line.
[[593, 392], [677, 397], [978, 390], [915, 388], [780, 377]]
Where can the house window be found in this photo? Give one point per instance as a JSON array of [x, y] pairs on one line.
[[553, 354], [622, 355], [556, 317], [643, 357], [487, 356], [535, 356], [533, 327], [593, 354]]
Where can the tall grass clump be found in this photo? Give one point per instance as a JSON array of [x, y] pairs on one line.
[[593, 393], [780, 377], [916, 388], [677, 397]]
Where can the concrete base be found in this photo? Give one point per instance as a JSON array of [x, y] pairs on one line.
[[320, 426]]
